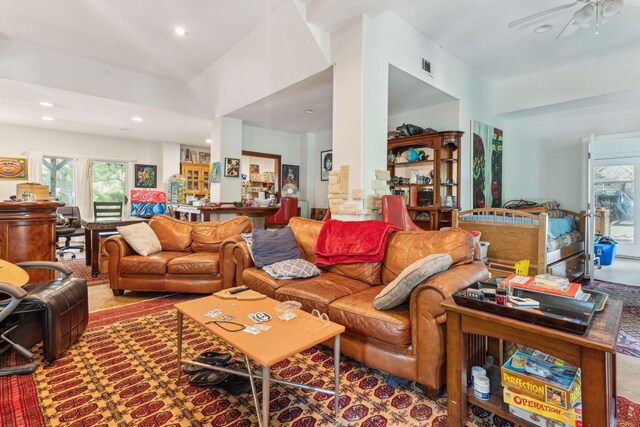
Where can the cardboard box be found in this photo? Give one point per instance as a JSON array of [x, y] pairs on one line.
[[533, 418], [571, 417], [41, 191], [544, 378]]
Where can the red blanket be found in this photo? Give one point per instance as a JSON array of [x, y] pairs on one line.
[[346, 242]]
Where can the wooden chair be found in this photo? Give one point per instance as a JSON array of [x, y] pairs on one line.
[[394, 211], [107, 209], [288, 209]]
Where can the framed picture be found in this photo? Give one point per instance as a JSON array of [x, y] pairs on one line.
[[486, 152], [13, 168], [214, 173], [326, 164], [291, 175], [146, 176], [231, 167], [254, 169]]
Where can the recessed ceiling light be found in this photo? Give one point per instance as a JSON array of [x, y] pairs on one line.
[[136, 119], [180, 32], [208, 141], [124, 128], [47, 118], [46, 104], [543, 29], [310, 111]]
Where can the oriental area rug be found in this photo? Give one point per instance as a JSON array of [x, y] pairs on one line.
[[123, 373]]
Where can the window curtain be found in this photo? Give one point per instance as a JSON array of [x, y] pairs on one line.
[[84, 186], [35, 168], [129, 177]]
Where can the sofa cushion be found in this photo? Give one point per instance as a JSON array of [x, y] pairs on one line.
[[141, 238], [208, 236], [318, 292], [358, 315], [406, 247], [174, 235], [291, 269], [399, 290], [306, 232], [260, 281], [368, 272], [195, 263], [152, 264], [274, 246]]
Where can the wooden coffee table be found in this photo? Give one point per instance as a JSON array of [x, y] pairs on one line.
[[282, 340]]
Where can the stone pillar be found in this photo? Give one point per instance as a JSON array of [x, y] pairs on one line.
[[226, 141]]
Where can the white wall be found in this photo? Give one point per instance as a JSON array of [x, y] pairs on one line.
[[439, 117], [15, 140], [543, 155], [322, 142]]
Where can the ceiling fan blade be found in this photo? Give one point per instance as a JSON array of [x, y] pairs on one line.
[[541, 14], [568, 30]]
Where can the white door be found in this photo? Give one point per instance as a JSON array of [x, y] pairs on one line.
[[590, 214]]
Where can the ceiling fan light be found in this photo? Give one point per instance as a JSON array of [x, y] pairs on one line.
[[610, 8], [583, 15]]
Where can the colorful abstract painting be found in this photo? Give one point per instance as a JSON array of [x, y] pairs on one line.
[[12, 168], [214, 173], [486, 150], [232, 167], [146, 176], [147, 203]]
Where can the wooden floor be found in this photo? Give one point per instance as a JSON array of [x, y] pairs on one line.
[[101, 297]]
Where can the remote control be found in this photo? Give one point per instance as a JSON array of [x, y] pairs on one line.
[[239, 289]]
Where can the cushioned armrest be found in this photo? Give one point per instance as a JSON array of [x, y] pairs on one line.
[[117, 247], [12, 290], [227, 264], [47, 265], [242, 259]]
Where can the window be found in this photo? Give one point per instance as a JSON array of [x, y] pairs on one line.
[[108, 181], [57, 173]]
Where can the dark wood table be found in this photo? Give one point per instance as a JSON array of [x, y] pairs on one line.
[[207, 211], [593, 352], [92, 229]]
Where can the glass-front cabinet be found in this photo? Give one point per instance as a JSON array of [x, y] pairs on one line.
[[197, 178]]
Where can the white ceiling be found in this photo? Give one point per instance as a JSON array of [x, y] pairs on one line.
[[74, 112], [406, 93], [477, 33], [137, 35]]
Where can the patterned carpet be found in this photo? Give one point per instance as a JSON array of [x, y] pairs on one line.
[[122, 373], [83, 271]]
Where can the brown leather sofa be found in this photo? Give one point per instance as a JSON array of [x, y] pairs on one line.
[[408, 341], [195, 257]]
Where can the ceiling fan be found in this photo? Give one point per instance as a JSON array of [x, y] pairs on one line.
[[589, 10]]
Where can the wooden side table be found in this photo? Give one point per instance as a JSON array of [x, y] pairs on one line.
[[593, 352]]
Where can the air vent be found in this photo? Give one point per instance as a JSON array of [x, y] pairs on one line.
[[426, 65]]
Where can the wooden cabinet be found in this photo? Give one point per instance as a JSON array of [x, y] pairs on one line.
[[28, 233], [431, 184], [197, 178], [251, 189]]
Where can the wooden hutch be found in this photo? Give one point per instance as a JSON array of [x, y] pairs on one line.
[[431, 204], [197, 178]]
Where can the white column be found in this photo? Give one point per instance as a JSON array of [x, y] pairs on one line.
[[169, 164], [226, 142]]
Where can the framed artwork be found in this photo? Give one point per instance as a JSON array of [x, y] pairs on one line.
[[231, 167], [146, 176], [13, 168], [291, 175], [214, 173], [147, 203], [254, 169], [326, 164], [318, 213], [486, 154]]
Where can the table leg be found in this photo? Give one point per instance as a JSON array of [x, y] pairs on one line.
[[87, 246], [179, 344], [253, 390], [266, 384], [596, 368], [95, 252], [456, 371], [336, 368], [206, 216]]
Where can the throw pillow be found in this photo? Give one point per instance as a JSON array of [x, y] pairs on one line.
[[270, 247], [141, 238], [291, 269], [248, 238], [399, 290]]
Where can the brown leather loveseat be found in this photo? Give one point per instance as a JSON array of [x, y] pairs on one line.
[[195, 257], [407, 341]]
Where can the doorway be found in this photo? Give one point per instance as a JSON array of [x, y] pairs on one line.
[[260, 175]]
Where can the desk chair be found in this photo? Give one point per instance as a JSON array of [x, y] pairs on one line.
[[55, 312], [288, 209], [394, 211], [107, 209], [71, 228]]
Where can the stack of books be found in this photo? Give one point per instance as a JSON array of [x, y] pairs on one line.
[[548, 284], [542, 389]]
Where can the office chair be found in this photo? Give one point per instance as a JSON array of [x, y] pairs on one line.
[[288, 209], [107, 209], [70, 228], [55, 312], [394, 211]]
